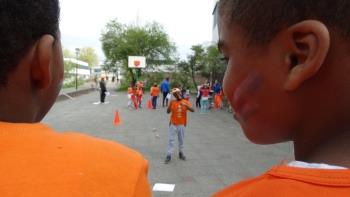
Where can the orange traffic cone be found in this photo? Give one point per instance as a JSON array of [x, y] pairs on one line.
[[149, 104], [117, 119]]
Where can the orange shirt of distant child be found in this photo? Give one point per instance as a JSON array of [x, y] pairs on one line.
[[37, 161], [155, 91], [179, 112], [139, 92], [130, 90], [285, 181]]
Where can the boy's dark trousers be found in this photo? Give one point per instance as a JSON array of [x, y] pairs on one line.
[[165, 99], [198, 102], [102, 96], [154, 102]]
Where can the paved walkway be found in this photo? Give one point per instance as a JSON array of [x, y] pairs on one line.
[[217, 152]]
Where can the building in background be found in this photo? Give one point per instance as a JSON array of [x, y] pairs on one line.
[[215, 14], [81, 68]]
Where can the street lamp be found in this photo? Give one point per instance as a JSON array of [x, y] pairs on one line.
[[77, 51]]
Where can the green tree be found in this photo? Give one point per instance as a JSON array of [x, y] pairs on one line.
[[120, 41], [88, 54], [68, 65], [214, 67], [67, 53], [196, 62]]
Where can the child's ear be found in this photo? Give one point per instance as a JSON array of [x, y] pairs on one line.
[[40, 69], [310, 42]]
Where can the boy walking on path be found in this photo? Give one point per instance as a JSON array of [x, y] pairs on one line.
[[154, 94], [35, 159], [178, 122], [288, 80], [165, 89]]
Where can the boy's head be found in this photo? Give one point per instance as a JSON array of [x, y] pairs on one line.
[[286, 75], [177, 93], [31, 65]]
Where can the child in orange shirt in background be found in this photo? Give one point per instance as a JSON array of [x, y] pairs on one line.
[[139, 93], [154, 94], [178, 121], [135, 97], [288, 80]]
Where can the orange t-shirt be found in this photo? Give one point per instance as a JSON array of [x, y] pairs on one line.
[[37, 161], [179, 112], [293, 182], [130, 90], [139, 92], [155, 91]]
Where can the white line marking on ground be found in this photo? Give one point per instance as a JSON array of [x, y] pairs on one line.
[[162, 187], [68, 96], [98, 103]]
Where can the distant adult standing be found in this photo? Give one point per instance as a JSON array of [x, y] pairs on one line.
[[199, 96], [103, 90], [165, 89]]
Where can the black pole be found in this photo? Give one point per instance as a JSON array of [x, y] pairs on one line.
[[76, 77]]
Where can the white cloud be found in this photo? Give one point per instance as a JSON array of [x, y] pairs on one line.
[[187, 22]]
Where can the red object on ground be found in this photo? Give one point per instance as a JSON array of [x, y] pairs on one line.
[[149, 104], [117, 120]]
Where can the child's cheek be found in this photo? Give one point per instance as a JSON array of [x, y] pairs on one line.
[[245, 98]]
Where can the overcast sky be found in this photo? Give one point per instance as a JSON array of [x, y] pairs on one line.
[[187, 22]]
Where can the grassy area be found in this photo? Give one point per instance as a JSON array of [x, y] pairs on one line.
[[71, 84]]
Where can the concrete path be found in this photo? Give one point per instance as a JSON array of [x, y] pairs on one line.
[[217, 152]]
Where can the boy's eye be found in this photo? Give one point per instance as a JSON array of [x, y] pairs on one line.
[[225, 59]]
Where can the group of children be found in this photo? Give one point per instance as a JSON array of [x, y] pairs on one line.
[[136, 92], [209, 96], [135, 95]]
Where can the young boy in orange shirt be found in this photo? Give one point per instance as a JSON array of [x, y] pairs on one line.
[[139, 93], [178, 121], [35, 159], [154, 94], [288, 80], [135, 97]]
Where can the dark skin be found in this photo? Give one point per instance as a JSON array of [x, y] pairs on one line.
[[294, 88], [178, 98], [33, 87]]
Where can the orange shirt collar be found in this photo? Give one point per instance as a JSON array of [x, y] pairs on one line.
[[315, 176]]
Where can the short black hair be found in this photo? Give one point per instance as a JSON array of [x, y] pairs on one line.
[[22, 23], [263, 19]]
